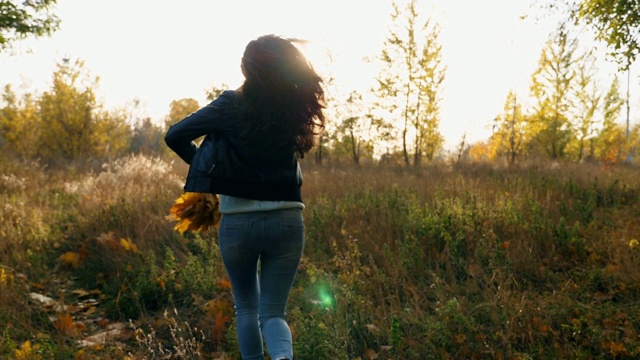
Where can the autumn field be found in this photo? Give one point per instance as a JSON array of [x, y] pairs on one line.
[[472, 261]]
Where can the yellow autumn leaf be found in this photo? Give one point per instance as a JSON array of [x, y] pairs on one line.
[[79, 355], [182, 226], [195, 212], [161, 283], [70, 258], [26, 352], [633, 243], [3, 277], [128, 245]]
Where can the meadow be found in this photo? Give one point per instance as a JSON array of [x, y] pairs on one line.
[[463, 261]]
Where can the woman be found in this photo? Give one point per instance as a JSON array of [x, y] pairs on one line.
[[254, 138]]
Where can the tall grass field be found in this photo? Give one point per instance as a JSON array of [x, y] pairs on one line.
[[467, 261]]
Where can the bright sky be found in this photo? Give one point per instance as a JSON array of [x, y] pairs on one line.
[[159, 51]]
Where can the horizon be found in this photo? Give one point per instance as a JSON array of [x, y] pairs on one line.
[[172, 54]]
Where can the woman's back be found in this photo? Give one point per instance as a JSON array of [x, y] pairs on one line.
[[254, 138]]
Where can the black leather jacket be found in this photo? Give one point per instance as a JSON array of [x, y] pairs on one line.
[[221, 164]]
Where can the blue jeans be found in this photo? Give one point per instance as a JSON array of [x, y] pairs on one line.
[[261, 252]]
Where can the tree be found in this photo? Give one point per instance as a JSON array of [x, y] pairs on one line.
[[19, 124], [409, 83], [609, 143], [479, 151], [73, 124], [551, 86], [68, 111], [148, 138], [355, 130], [216, 91], [616, 22], [332, 113], [65, 121], [113, 132], [428, 138], [21, 19], [179, 109], [633, 142], [462, 150], [509, 130], [586, 103]]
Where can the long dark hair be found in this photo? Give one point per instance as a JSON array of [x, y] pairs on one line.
[[282, 94]]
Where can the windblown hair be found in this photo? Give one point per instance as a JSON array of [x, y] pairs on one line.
[[282, 94]]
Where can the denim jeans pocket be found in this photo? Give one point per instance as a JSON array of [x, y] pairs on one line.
[[292, 234], [235, 233]]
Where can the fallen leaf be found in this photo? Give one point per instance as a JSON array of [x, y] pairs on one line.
[[37, 285], [116, 332], [70, 258], [370, 354], [90, 311], [26, 351], [65, 325], [80, 293], [128, 245], [48, 302]]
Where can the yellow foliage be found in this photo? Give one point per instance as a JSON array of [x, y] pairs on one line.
[[633, 243], [479, 151], [195, 212], [70, 258], [26, 352], [5, 277], [79, 355], [128, 245]]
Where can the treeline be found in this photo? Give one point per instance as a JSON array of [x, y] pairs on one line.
[[67, 122], [568, 113]]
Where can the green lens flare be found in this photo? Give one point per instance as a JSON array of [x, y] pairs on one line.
[[325, 298]]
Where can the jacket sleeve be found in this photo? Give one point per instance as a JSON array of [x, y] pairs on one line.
[[181, 135]]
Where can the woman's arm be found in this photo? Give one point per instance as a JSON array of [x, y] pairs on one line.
[[180, 135]]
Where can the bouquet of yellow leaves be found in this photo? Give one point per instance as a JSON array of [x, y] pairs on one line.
[[196, 212]]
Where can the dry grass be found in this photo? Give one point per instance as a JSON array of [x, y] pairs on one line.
[[467, 261], [453, 254]]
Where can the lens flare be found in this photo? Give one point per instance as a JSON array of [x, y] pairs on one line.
[[326, 300]]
